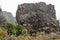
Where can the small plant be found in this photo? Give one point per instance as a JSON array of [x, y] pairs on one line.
[[19, 27], [24, 32], [16, 30], [21, 30], [9, 28]]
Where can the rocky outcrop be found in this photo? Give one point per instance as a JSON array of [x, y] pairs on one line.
[[0, 9], [38, 16], [8, 16], [59, 23]]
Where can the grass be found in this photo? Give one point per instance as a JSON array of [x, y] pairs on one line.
[[39, 36]]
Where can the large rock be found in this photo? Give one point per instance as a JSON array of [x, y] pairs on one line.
[[0, 9], [40, 16], [59, 24]]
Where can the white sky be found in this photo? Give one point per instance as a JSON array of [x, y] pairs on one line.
[[11, 5]]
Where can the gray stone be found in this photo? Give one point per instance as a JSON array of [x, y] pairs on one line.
[[39, 15], [3, 21], [8, 16], [59, 22]]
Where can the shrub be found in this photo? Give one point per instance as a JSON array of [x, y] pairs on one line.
[[9, 26], [16, 30], [19, 27], [21, 30]]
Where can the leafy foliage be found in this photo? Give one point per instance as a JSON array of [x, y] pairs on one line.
[[24, 32], [16, 30], [19, 27], [9, 26]]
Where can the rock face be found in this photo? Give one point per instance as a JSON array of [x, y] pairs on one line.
[[8, 16], [59, 23], [3, 21], [39, 16]]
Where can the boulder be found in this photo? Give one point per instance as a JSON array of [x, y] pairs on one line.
[[38, 15]]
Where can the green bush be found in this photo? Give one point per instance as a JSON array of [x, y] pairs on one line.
[[19, 27], [9, 26]]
